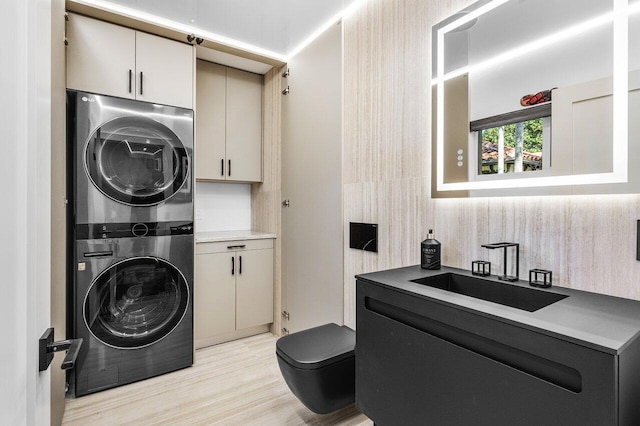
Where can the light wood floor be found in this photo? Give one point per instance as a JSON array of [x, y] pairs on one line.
[[235, 383]]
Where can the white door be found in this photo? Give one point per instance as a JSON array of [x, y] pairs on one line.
[[311, 180], [25, 117]]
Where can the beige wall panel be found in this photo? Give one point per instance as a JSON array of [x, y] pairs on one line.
[[211, 109], [244, 126], [588, 242], [168, 71], [99, 57], [266, 196]]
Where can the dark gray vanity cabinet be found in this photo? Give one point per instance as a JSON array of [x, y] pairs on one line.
[[421, 361]]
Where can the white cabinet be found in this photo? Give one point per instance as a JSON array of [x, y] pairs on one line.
[[233, 289], [228, 124], [112, 60]]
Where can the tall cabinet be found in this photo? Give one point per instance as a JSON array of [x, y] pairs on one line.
[[228, 124]]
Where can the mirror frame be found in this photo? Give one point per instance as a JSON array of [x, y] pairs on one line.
[[619, 16]]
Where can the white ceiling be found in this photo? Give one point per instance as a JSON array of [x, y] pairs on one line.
[[278, 26]]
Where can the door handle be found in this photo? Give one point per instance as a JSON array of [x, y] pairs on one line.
[[233, 265], [130, 75], [229, 167], [240, 266], [141, 80], [47, 347], [222, 167]]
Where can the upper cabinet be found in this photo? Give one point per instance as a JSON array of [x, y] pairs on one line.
[[228, 124], [112, 60]]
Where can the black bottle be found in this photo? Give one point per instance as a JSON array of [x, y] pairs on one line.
[[430, 252]]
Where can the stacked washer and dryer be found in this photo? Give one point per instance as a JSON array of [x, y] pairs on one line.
[[130, 243]]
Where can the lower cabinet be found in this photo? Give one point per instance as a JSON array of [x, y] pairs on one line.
[[233, 293], [423, 362]]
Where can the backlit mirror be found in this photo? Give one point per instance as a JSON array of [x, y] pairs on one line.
[[537, 97]]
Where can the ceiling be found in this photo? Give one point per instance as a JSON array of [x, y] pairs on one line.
[[277, 26]]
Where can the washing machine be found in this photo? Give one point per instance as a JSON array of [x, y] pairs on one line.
[[133, 303], [130, 161]]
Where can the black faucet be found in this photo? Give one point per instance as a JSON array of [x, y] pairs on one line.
[[504, 246]]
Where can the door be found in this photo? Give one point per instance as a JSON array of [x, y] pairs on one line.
[[164, 71], [136, 302], [101, 57], [211, 86], [254, 288], [136, 161], [244, 126], [26, 110], [215, 296], [311, 179]]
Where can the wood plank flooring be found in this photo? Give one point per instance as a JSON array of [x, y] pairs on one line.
[[235, 383]]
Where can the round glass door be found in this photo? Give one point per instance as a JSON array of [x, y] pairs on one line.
[[136, 161], [136, 302]]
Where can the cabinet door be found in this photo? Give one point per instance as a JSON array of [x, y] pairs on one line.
[[244, 126], [254, 288], [211, 87], [101, 57], [214, 296], [164, 71]]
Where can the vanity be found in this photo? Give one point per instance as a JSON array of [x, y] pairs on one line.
[[446, 347]]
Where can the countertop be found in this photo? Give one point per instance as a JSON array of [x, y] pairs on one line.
[[210, 237], [597, 321]]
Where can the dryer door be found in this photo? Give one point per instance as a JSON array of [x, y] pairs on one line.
[[136, 161], [136, 302]]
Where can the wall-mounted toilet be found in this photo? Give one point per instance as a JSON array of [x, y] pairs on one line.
[[318, 365]]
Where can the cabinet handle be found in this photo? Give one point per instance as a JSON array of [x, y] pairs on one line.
[[240, 266], [222, 167], [237, 247], [233, 265], [130, 77], [141, 81], [229, 167]]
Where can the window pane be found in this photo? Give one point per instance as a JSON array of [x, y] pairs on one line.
[[522, 148]]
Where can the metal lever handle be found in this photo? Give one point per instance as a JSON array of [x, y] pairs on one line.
[[47, 347]]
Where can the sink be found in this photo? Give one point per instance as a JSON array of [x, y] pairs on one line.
[[504, 294]]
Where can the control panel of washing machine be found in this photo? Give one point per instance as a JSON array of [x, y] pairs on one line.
[[93, 231]]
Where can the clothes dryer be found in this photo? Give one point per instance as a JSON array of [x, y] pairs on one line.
[[133, 303], [129, 161]]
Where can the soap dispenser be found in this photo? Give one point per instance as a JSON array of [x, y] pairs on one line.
[[430, 252]]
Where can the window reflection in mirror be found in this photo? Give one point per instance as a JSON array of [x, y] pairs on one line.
[[511, 148]]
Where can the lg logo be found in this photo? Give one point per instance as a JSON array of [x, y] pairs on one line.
[[85, 99]]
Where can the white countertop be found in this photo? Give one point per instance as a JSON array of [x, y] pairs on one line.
[[210, 237]]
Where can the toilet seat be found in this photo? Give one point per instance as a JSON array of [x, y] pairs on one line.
[[317, 347]]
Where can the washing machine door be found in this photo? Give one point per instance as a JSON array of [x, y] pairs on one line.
[[136, 161], [136, 302]]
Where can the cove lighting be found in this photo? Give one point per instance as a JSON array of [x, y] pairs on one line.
[[619, 16], [176, 26], [188, 29]]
